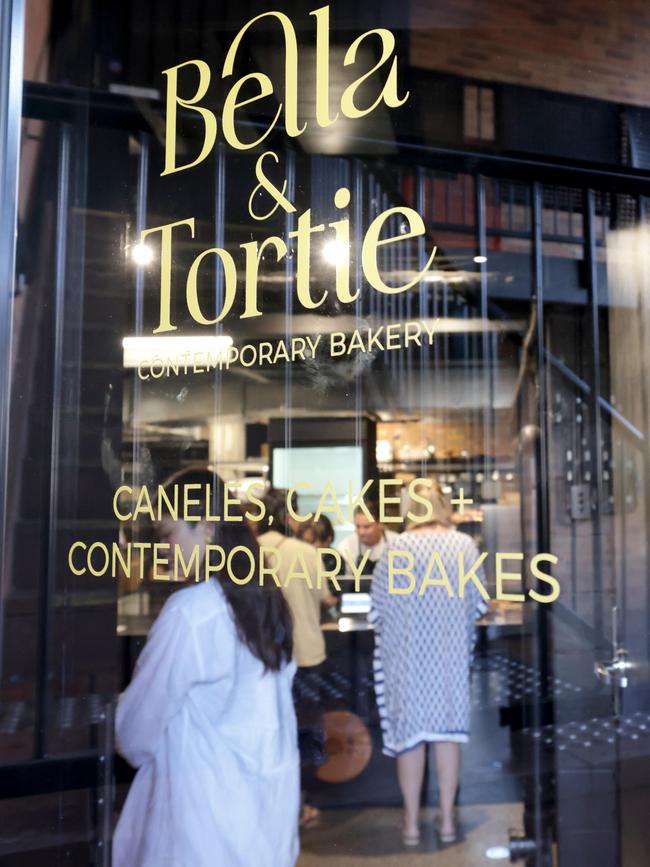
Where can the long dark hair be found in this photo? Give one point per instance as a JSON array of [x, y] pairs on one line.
[[261, 614], [276, 513]]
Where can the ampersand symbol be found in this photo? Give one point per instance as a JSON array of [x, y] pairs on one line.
[[271, 189]]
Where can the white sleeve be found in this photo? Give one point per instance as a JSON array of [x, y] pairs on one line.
[[346, 550], [169, 665]]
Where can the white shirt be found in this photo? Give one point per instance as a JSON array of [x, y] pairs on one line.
[[214, 740], [352, 548]]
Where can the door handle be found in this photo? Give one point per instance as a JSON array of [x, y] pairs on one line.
[[615, 671]]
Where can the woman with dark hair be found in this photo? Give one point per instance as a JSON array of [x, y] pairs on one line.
[[208, 718], [320, 534], [305, 599]]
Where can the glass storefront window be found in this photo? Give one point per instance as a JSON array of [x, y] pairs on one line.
[[327, 323]]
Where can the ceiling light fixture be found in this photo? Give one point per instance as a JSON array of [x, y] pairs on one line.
[[141, 350], [142, 254], [335, 252]]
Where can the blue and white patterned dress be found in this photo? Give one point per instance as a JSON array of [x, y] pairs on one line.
[[424, 643]]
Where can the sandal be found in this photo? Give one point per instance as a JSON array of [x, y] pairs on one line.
[[447, 837], [411, 839], [310, 816]]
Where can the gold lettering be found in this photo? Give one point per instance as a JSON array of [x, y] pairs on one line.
[[384, 499], [342, 229], [266, 568], [296, 515], [253, 251], [174, 100], [124, 562], [423, 501], [97, 546], [210, 567], [329, 491], [389, 90], [166, 270], [372, 241], [322, 17], [192, 289], [358, 501], [544, 576], [163, 500], [228, 501], [464, 577], [400, 570], [231, 105], [442, 581], [179, 560], [143, 505], [255, 501], [246, 552], [329, 574], [70, 563], [116, 497], [190, 502], [160, 561], [508, 576], [299, 569], [290, 71], [357, 570], [337, 343], [303, 234]]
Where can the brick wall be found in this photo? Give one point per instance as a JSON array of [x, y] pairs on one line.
[[582, 47]]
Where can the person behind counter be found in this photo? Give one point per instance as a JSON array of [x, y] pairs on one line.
[[309, 643], [370, 537], [423, 652], [320, 534], [208, 719]]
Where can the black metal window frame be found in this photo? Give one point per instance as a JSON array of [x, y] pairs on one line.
[[12, 35]]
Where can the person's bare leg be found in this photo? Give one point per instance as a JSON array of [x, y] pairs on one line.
[[448, 770], [410, 773]]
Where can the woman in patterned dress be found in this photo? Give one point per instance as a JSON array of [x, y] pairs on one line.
[[424, 641]]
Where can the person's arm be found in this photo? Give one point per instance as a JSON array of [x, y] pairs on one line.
[[169, 665], [346, 549], [327, 598], [313, 563]]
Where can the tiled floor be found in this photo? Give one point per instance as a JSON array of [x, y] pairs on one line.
[[357, 838]]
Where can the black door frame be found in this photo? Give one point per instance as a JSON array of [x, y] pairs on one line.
[[12, 38]]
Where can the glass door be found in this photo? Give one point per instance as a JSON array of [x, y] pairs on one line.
[[234, 316], [596, 427]]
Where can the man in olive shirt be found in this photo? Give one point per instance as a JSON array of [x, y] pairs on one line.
[[291, 555]]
